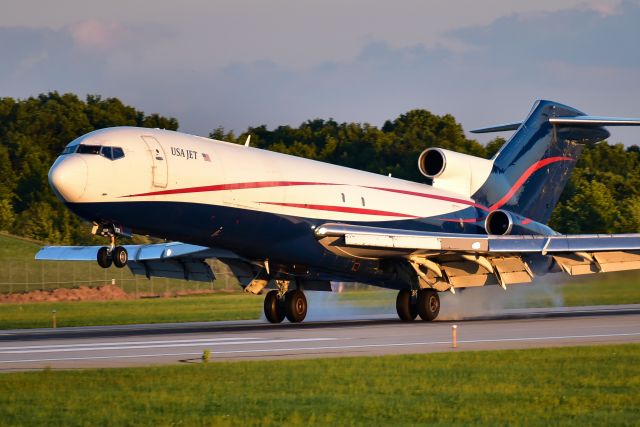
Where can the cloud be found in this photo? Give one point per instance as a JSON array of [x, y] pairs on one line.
[[92, 34], [493, 73], [581, 36]]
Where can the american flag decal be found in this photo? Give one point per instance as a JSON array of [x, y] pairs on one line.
[[206, 157]]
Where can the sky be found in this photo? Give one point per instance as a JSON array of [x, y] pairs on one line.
[[242, 63]]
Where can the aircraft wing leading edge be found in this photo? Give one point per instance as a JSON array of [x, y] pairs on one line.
[[173, 260]]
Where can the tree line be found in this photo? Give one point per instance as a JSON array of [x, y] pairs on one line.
[[603, 195]]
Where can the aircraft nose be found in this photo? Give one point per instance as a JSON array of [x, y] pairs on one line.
[[68, 178]]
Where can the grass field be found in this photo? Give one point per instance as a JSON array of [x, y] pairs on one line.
[[564, 386], [219, 306]]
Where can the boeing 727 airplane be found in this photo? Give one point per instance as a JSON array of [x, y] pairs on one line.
[[286, 225]]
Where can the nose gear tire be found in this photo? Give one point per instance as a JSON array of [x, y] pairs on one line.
[[104, 257], [120, 256]]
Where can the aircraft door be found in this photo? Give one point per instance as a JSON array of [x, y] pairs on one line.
[[158, 162]]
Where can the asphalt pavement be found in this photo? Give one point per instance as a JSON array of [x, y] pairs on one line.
[[142, 345]]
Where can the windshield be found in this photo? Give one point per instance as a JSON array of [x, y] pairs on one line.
[[112, 153]]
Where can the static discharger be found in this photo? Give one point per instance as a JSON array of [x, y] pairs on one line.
[[454, 336]]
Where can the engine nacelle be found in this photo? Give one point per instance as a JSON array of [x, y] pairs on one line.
[[499, 222], [457, 172]]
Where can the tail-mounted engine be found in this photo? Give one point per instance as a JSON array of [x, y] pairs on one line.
[[502, 223], [457, 172], [499, 223]]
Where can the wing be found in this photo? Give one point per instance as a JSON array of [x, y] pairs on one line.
[[173, 260], [446, 261]]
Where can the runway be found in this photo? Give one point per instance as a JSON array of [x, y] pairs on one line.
[[141, 345]]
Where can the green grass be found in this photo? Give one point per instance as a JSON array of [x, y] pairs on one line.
[[564, 386], [219, 306], [13, 247]]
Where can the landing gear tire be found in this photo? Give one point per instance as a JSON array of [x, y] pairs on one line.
[[104, 257], [428, 304], [273, 308], [405, 306], [295, 304], [120, 256]]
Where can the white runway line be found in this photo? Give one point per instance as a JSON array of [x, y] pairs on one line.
[[189, 343], [337, 347], [106, 343]]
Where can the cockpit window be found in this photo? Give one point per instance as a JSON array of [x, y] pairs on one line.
[[116, 153], [106, 152], [88, 149], [70, 150], [112, 153]]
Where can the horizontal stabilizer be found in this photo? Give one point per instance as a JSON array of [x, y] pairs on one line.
[[594, 121], [499, 128]]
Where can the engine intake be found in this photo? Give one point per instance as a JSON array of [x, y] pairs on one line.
[[432, 162], [499, 222], [457, 172]]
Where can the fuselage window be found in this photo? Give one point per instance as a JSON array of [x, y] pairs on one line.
[[88, 149], [343, 198], [362, 199]]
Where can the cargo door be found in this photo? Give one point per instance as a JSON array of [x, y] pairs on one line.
[[158, 162]]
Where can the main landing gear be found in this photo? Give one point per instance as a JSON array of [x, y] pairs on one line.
[[116, 255], [424, 302], [291, 304]]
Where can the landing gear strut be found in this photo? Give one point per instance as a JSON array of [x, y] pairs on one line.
[[425, 303], [292, 305]]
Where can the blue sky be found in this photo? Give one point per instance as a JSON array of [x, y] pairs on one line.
[[246, 63]]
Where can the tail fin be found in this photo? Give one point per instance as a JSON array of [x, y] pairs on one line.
[[532, 168]]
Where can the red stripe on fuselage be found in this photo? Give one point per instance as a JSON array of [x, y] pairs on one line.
[[432, 196], [346, 209], [271, 184], [525, 176], [233, 186]]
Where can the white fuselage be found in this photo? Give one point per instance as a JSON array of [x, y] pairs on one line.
[[169, 166]]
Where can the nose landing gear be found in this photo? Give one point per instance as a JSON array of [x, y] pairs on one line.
[[107, 255]]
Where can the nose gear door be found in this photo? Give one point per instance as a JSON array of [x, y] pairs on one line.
[[158, 162]]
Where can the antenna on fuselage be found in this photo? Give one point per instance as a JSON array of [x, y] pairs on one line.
[[246, 143]]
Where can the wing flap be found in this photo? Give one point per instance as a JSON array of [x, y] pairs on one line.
[[192, 270], [444, 261]]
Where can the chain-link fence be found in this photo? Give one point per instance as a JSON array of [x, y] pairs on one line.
[[24, 276]]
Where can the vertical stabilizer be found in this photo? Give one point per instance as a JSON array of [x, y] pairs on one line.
[[532, 168]]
